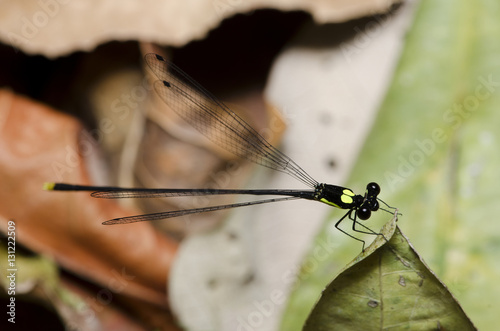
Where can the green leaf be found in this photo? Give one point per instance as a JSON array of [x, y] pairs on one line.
[[387, 287], [434, 150]]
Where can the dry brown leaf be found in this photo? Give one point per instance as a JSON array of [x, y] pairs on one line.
[[54, 28], [38, 144]]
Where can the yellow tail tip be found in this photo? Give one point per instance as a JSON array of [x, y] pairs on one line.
[[48, 186]]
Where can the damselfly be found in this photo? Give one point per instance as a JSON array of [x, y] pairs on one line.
[[221, 125]]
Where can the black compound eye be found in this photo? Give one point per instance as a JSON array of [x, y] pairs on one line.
[[373, 189], [364, 213], [374, 205]]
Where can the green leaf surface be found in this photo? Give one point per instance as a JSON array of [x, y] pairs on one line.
[[435, 151], [387, 287]]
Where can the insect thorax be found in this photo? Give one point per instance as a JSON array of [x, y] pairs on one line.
[[337, 196]]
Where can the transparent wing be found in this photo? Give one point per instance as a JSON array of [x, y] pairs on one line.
[[184, 212], [216, 121]]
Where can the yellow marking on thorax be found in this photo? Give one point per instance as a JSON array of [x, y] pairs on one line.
[[329, 202], [346, 197], [348, 192]]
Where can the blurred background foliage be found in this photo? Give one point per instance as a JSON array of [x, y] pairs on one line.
[[434, 151]]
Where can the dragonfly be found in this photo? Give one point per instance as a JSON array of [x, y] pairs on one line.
[[221, 125]]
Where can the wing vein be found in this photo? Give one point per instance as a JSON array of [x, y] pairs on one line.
[[216, 121]]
